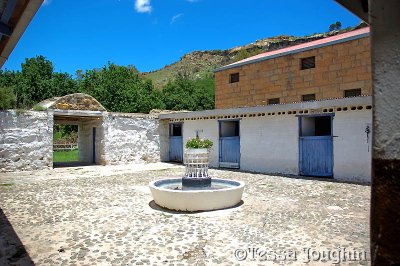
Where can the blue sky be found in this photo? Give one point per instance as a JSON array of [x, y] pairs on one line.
[[150, 34]]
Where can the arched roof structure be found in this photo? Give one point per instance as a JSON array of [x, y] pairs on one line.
[[76, 101]]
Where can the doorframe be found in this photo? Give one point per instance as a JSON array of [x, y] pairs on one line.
[[94, 130], [219, 137], [332, 115], [169, 135]]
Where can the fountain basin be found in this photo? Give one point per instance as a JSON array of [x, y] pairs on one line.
[[223, 193]]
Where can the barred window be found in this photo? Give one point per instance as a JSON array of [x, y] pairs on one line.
[[273, 101], [352, 93], [234, 78], [307, 63], [308, 97]]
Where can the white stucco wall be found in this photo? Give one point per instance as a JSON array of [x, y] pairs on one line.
[[266, 144], [130, 139], [270, 144], [352, 153], [25, 140]]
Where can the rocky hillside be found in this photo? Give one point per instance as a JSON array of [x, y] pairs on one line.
[[197, 63]]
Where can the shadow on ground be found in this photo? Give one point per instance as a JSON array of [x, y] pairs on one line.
[[70, 164], [12, 251], [317, 178], [156, 207]]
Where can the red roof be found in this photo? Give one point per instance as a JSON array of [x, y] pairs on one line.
[[304, 46]]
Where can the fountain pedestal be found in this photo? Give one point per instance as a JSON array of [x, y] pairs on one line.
[[196, 170]]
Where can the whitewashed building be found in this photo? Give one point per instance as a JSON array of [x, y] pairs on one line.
[[269, 137]]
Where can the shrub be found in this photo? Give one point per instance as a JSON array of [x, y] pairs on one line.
[[7, 98], [197, 143], [39, 108]]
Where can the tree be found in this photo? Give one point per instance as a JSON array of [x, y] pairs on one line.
[[184, 93], [338, 25], [7, 98], [120, 89], [35, 81], [335, 26]]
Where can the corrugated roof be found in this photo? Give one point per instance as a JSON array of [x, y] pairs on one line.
[[340, 38]]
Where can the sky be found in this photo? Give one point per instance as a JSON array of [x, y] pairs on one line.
[[150, 34]]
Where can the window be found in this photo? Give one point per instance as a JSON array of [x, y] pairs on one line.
[[307, 63], [308, 97], [273, 101], [175, 130], [234, 78], [352, 93], [316, 126], [229, 129]]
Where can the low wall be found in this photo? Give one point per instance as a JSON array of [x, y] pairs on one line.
[[26, 140], [130, 138]]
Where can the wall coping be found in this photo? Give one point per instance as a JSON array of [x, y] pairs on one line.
[[331, 103]]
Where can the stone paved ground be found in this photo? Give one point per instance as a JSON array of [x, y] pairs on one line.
[[104, 216]]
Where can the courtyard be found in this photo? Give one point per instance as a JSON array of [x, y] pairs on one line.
[[100, 215]]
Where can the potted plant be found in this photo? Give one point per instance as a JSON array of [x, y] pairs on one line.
[[198, 143], [198, 148]]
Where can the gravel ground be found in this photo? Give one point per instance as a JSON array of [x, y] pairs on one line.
[[105, 216]]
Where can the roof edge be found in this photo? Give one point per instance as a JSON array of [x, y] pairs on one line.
[[294, 51]]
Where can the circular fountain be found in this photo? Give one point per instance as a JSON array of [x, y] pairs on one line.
[[196, 191]]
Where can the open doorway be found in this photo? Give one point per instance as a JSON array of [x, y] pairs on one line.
[[76, 141], [65, 144]]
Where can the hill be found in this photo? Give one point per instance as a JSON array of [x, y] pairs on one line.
[[198, 63]]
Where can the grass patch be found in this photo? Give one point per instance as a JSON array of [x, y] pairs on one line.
[[6, 185], [65, 156]]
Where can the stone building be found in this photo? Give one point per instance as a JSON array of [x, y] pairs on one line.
[[333, 67], [302, 110]]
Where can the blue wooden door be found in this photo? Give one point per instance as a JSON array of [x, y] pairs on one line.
[[176, 148], [229, 152], [316, 156]]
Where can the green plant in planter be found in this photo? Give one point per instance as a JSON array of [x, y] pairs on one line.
[[198, 143]]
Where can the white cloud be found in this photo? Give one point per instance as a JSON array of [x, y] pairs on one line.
[[174, 18], [143, 6]]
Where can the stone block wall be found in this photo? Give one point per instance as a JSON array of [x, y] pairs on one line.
[[130, 138], [338, 67], [26, 140]]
